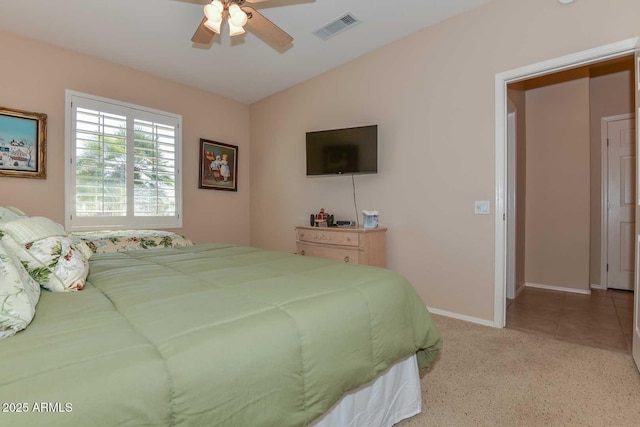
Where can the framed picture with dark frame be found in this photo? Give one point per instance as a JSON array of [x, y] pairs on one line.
[[23, 144], [218, 165]]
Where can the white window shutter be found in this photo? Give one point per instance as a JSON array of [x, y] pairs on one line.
[[123, 169]]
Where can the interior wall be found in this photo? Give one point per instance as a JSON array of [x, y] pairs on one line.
[[517, 94], [34, 78], [557, 183], [433, 96], [612, 92]]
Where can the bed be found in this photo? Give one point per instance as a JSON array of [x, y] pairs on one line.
[[212, 335]]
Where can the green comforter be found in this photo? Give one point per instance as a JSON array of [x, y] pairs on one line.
[[209, 335]]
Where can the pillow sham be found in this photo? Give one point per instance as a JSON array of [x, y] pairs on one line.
[[81, 245], [10, 213], [19, 294], [105, 241], [49, 256]]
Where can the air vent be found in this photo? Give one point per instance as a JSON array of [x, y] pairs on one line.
[[335, 27]]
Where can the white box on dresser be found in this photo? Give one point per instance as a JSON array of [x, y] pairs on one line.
[[351, 245]]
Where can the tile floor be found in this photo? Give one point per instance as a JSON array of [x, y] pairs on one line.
[[603, 319]]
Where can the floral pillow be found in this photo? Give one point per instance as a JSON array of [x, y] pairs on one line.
[[19, 294], [49, 256], [10, 213], [105, 241]]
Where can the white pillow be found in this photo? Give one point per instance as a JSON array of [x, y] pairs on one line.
[[19, 294], [10, 213], [48, 254]]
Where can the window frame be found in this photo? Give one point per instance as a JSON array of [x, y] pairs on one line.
[[132, 112]]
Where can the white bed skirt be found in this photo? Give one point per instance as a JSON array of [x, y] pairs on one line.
[[392, 397]]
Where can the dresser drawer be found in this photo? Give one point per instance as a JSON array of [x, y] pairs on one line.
[[336, 254], [351, 245], [328, 237]]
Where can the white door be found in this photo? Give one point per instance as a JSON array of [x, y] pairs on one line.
[[636, 305], [621, 155]]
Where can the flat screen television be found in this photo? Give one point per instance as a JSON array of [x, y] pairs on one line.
[[343, 151]]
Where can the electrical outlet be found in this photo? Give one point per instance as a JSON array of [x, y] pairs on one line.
[[482, 207]]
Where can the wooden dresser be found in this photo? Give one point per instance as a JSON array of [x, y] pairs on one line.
[[352, 245]]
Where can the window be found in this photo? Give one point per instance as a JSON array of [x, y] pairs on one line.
[[123, 165]]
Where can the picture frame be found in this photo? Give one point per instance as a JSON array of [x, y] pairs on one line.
[[218, 166], [23, 144]]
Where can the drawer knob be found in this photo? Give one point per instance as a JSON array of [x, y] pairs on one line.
[[347, 259], [348, 239], [302, 252]]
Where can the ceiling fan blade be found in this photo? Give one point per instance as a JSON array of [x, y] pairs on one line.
[[265, 29], [203, 34]]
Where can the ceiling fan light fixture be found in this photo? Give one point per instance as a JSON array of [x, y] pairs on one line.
[[238, 17], [217, 11], [213, 26], [218, 5], [212, 12], [235, 30]]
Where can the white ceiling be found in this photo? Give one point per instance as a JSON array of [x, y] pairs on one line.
[[155, 36]]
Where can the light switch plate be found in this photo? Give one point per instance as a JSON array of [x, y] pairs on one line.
[[482, 207]]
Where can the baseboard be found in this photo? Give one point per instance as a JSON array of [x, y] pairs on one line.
[[558, 288], [461, 317], [520, 289], [594, 286]]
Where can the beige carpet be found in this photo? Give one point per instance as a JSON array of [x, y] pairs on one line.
[[503, 377]]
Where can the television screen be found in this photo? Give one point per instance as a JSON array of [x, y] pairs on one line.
[[343, 151]]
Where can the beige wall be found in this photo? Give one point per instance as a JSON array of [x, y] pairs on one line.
[[557, 183], [34, 78], [432, 94], [611, 93]]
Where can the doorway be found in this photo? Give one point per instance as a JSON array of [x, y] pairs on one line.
[[549, 163], [552, 159], [558, 126], [592, 56]]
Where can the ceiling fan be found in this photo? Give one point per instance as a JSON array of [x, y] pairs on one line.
[[237, 16]]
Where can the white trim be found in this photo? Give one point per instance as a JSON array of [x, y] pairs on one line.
[[461, 317], [512, 168], [499, 306], [120, 104], [594, 286], [604, 194], [558, 288], [635, 342], [604, 197], [589, 56]]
